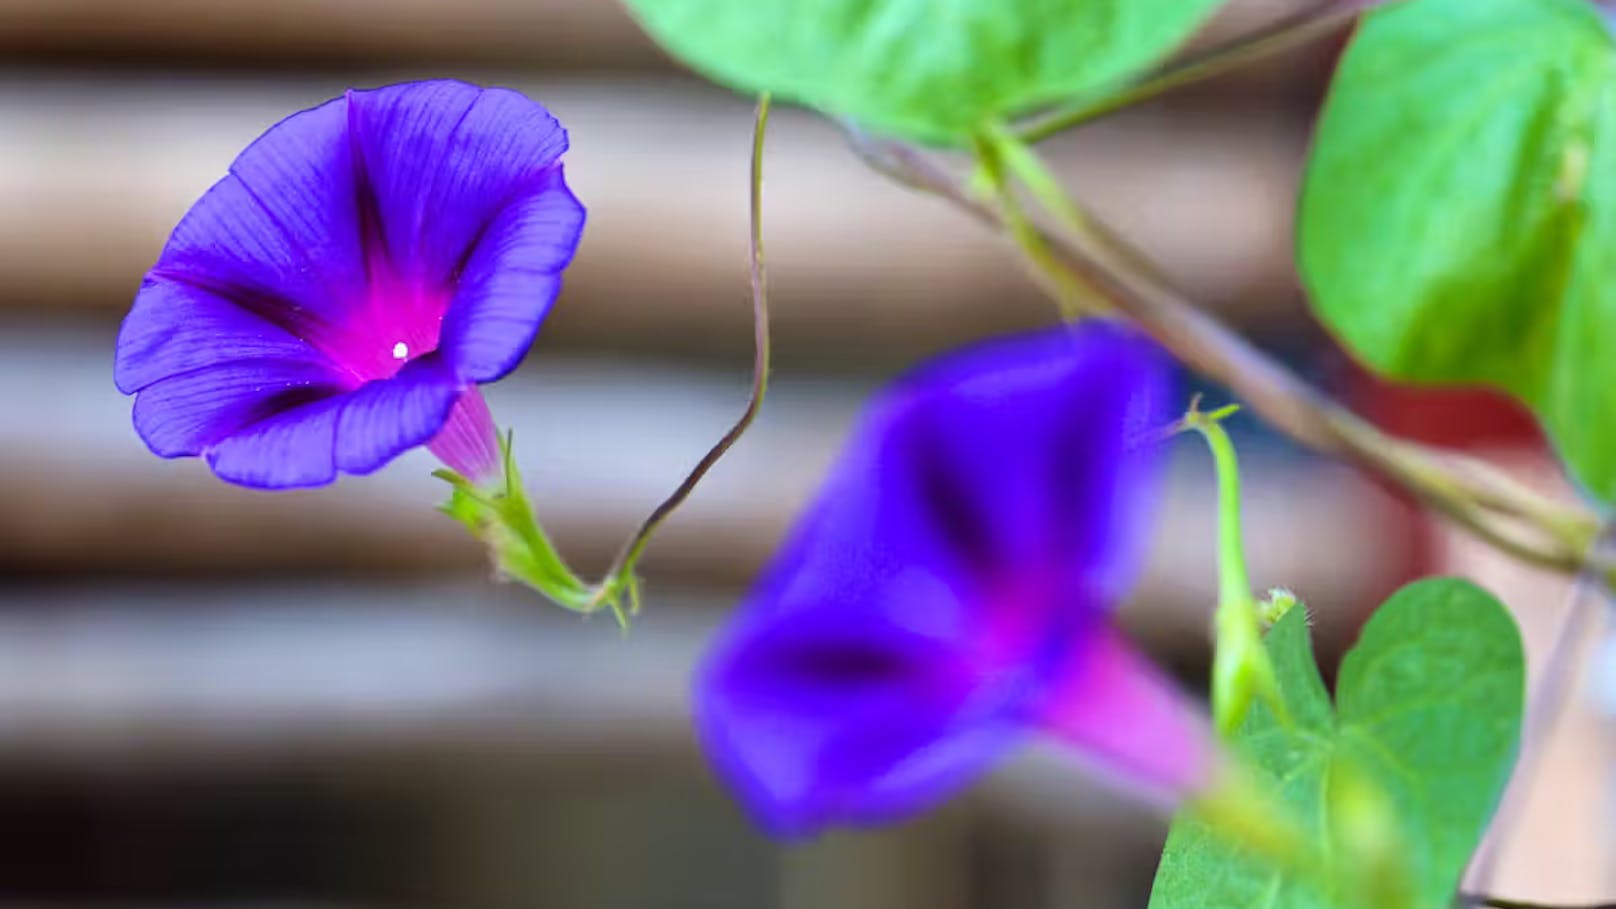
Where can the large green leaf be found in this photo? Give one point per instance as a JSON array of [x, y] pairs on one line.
[[1428, 711], [1458, 220], [930, 69]]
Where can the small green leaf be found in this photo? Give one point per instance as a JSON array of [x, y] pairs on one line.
[[1418, 751], [1458, 218], [935, 70]]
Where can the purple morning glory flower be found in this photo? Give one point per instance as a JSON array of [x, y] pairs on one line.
[[952, 589], [337, 298]]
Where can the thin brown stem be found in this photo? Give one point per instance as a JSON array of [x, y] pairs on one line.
[[1577, 624], [1474, 901], [1517, 520], [622, 570]]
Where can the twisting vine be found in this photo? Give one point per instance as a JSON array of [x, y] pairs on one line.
[[622, 570]]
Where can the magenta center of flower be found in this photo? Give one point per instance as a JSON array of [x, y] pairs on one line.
[[1026, 616], [405, 322]]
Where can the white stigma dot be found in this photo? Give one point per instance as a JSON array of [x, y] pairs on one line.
[[401, 351]]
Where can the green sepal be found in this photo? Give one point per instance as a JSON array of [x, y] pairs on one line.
[[501, 515], [1242, 671]]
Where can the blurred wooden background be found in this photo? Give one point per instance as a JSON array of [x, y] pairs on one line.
[[320, 697]]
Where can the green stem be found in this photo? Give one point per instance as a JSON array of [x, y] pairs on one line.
[[1018, 159], [1234, 581], [1241, 667], [1021, 160], [1293, 31], [997, 158]]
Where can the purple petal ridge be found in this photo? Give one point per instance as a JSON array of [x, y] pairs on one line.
[[950, 589], [370, 261]]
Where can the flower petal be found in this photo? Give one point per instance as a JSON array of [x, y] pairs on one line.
[[281, 235], [1016, 473], [247, 414], [384, 418], [1030, 457], [187, 413], [843, 718], [1115, 706], [469, 443], [286, 450], [444, 158], [177, 328], [511, 280]]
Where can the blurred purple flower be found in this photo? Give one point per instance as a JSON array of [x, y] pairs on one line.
[[336, 299], [952, 588]]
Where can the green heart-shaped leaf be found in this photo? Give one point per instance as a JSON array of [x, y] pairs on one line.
[[937, 70], [1428, 713], [1458, 220]]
